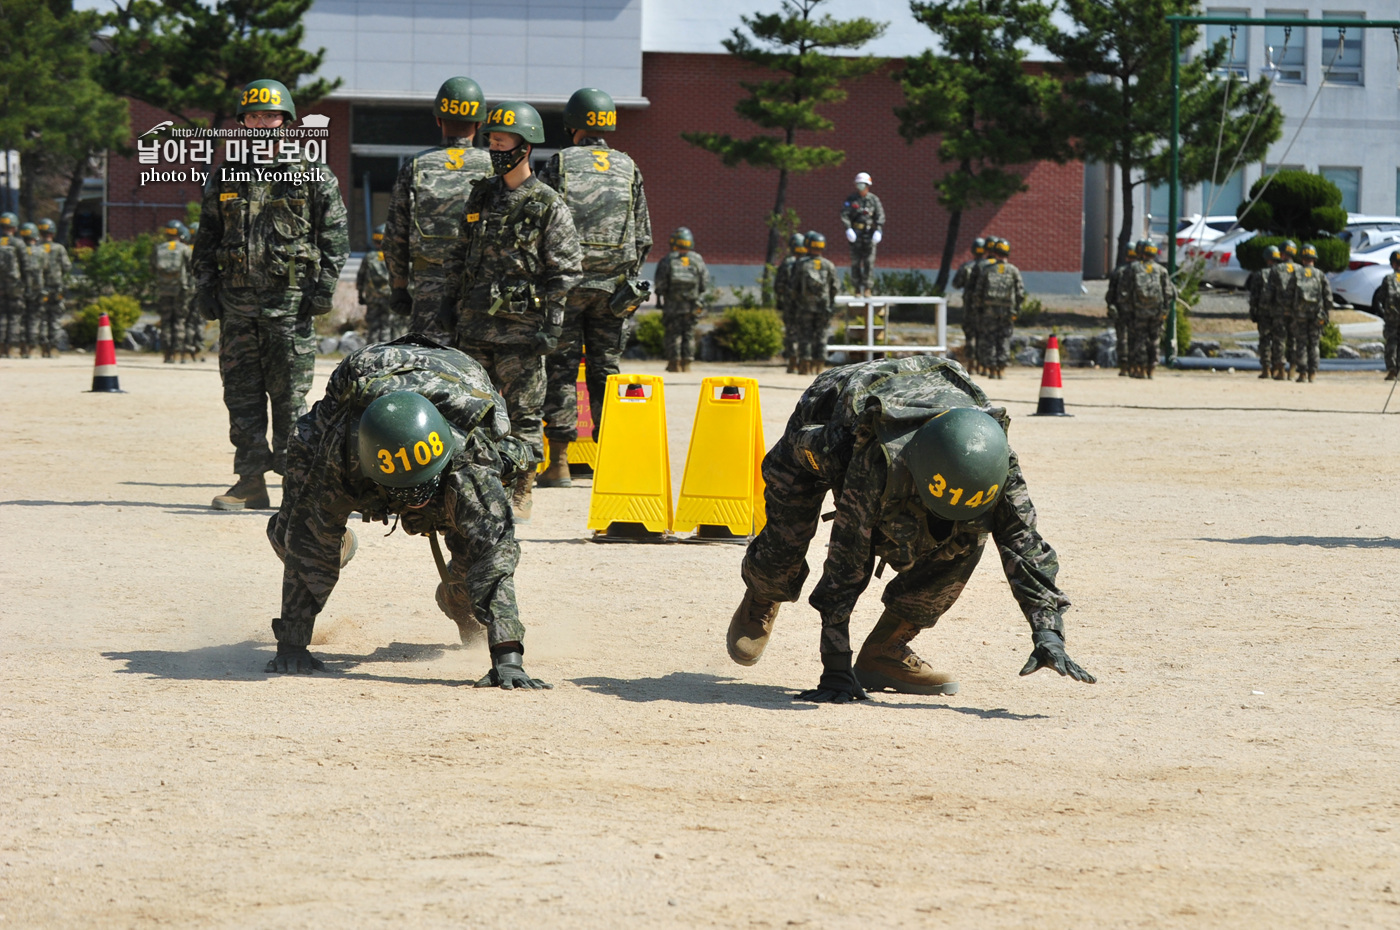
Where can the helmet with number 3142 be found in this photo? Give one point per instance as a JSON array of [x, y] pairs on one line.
[[959, 461], [404, 441], [267, 95]]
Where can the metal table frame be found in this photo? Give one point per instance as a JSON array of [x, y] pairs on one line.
[[876, 301]]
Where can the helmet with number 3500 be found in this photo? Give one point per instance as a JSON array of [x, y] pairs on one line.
[[959, 461], [404, 441]]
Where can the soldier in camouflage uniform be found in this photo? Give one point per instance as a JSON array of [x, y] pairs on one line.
[[1000, 291], [1386, 302], [814, 294], [426, 207], [32, 267], [785, 297], [1276, 284], [1259, 313], [1308, 304], [413, 430], [965, 278], [11, 285], [681, 282], [1145, 293], [603, 188], [57, 266], [194, 321], [864, 218], [372, 284], [1117, 314], [918, 462], [174, 280], [266, 261], [510, 275]]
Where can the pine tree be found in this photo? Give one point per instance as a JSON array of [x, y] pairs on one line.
[[793, 44]]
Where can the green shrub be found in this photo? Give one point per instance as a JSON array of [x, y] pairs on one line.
[[1188, 292], [1290, 205], [910, 283], [116, 266], [743, 299], [1331, 340], [651, 334], [122, 311], [1031, 309], [750, 334]]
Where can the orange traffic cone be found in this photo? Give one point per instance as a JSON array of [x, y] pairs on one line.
[[1052, 392], [104, 372]]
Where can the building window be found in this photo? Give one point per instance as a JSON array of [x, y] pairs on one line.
[[1349, 181], [1236, 62], [1285, 49], [1397, 191], [1347, 66], [1222, 199]]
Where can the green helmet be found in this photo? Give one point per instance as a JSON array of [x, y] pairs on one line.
[[29, 230], [1308, 251], [404, 441], [682, 238], [174, 228], [267, 95], [959, 461], [979, 245], [1002, 247], [517, 117], [1271, 254], [379, 233], [8, 219], [796, 241], [591, 110], [1132, 250], [1289, 247], [815, 240], [47, 225], [460, 99], [1146, 248]]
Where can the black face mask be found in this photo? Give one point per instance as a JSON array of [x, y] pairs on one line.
[[505, 162], [414, 496]]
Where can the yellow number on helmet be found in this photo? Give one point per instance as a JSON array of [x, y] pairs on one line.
[[509, 118], [992, 492], [421, 454], [276, 95], [386, 462], [974, 501], [591, 119], [435, 441], [443, 106], [937, 486]]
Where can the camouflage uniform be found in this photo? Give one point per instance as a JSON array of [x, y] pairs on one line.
[[784, 296], [608, 202], [372, 284], [265, 261], [57, 266], [1118, 314], [1308, 305], [11, 294], [815, 289], [681, 281], [1146, 311], [966, 278], [324, 485], [425, 219], [1277, 282], [1261, 315], [508, 276], [1000, 291], [32, 255], [866, 215], [1386, 302], [174, 280], [838, 441]]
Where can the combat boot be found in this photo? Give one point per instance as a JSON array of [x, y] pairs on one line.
[[1264, 373], [1278, 373], [1302, 376], [557, 474], [673, 365], [750, 628], [349, 545], [522, 502], [791, 364], [886, 661], [250, 493], [1310, 376], [1389, 375]]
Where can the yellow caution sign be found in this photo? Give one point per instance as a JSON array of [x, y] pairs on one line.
[[583, 450], [723, 483], [632, 480]]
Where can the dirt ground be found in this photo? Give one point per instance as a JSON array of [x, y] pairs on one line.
[[1228, 543]]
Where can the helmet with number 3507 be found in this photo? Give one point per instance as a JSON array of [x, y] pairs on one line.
[[959, 461], [460, 99], [404, 441], [267, 95]]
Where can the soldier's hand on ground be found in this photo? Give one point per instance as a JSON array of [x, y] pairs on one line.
[[294, 660], [1050, 652], [850, 235], [401, 301], [508, 673]]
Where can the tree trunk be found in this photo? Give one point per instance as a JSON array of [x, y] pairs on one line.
[[775, 236], [70, 203], [950, 249], [1125, 231], [28, 182]]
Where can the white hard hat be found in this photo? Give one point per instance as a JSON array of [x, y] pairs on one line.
[[863, 178]]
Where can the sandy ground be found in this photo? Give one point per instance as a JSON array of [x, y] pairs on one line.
[[1227, 544]]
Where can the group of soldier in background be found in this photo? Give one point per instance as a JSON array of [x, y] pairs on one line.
[[993, 291], [1386, 302], [34, 273], [1140, 292], [1291, 301], [681, 282], [374, 284], [181, 325], [805, 288]]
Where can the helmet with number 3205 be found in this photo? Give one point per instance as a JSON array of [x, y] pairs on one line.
[[267, 95], [959, 461], [404, 441]]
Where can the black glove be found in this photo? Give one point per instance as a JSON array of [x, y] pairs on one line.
[[1050, 652], [294, 660], [207, 302], [838, 684], [508, 673], [546, 341], [401, 301]]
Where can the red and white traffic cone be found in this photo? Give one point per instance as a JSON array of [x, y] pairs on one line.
[[1052, 392], [104, 372]]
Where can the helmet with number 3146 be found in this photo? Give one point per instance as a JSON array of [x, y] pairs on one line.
[[517, 117], [959, 461], [404, 441]]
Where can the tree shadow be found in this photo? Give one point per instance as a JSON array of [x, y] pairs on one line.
[[1324, 542], [692, 688], [245, 661]]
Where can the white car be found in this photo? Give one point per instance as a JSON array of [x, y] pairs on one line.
[[1196, 228], [1364, 273], [1222, 260]]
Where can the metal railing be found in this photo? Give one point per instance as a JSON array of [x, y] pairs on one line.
[[872, 305]]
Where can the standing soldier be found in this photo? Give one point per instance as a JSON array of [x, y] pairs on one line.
[[57, 265], [1000, 291], [814, 294], [922, 473], [604, 191], [174, 279], [681, 281], [1117, 313], [194, 320], [11, 285], [1145, 293], [1275, 303], [33, 268], [864, 219], [965, 278], [372, 284], [784, 281], [509, 275], [1308, 302], [269, 251], [426, 207], [1386, 302], [1262, 314]]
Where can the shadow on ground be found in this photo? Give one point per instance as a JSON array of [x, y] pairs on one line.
[[169, 507], [245, 661], [1323, 542]]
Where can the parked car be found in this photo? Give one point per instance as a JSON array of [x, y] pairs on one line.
[[1197, 228], [1364, 272], [1222, 260]]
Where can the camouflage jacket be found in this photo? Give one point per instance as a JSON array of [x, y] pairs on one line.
[[32, 267], [325, 485], [372, 281], [603, 188], [814, 284], [853, 421], [1291, 299], [426, 207], [1000, 288], [57, 265], [960, 276], [1254, 287], [260, 228], [1386, 298], [682, 276], [171, 267], [783, 282], [11, 270], [1115, 284], [1274, 294], [865, 214]]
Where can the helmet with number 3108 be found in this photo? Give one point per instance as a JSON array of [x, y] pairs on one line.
[[404, 441]]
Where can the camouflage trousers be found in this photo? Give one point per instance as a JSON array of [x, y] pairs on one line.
[[517, 373], [592, 334], [1305, 344], [263, 361], [862, 265], [31, 315], [775, 565], [1120, 337], [174, 310], [427, 300], [10, 317], [46, 326], [381, 323], [789, 315], [812, 326], [194, 328], [679, 317], [1392, 342], [969, 328], [1145, 340], [994, 329], [1271, 342]]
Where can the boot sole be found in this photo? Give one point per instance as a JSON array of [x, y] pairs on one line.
[[878, 681], [241, 505], [560, 483]]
